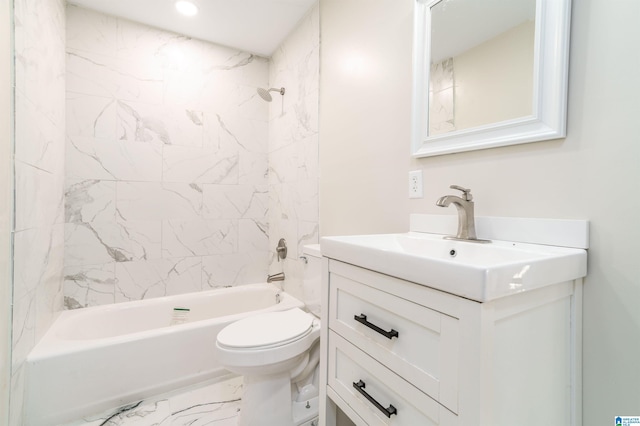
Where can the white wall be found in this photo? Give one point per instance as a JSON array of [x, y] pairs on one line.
[[39, 177], [166, 182], [6, 206], [365, 110], [293, 148], [591, 174]]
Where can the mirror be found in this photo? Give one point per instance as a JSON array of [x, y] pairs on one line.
[[488, 73]]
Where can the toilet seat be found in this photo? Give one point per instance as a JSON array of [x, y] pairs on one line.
[[269, 330]]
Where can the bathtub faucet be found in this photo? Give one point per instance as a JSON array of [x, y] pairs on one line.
[[275, 277]]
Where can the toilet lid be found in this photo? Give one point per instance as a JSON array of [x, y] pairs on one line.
[[270, 329]]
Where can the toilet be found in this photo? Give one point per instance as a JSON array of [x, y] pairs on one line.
[[278, 353]]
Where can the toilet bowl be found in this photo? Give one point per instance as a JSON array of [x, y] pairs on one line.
[[277, 353]]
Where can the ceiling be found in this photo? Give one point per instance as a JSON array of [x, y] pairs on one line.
[[255, 26]]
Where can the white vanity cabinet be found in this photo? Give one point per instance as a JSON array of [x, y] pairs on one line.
[[395, 352]]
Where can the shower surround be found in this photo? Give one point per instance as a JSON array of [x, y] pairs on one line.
[[38, 232], [154, 176], [293, 148], [166, 166]]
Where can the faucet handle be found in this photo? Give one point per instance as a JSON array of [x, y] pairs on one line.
[[281, 249], [466, 193]]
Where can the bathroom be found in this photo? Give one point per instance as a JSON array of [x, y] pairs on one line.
[[364, 133]]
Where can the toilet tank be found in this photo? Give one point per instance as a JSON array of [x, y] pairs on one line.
[[311, 281]]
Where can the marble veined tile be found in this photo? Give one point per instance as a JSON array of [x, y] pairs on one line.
[[226, 270], [185, 88], [248, 104], [39, 197], [219, 139], [90, 200], [198, 237], [92, 116], [46, 20], [40, 68], [249, 135], [24, 330], [441, 76], [295, 200], [90, 285], [253, 235], [219, 96], [256, 74], [231, 86], [200, 165], [308, 233], [235, 201], [308, 168], [105, 242], [110, 159], [39, 138], [211, 403], [253, 168], [158, 201], [38, 245], [284, 163], [145, 122], [161, 49], [156, 278], [90, 31], [306, 196], [100, 75], [218, 61], [441, 111], [304, 38], [294, 162], [18, 390], [48, 293]]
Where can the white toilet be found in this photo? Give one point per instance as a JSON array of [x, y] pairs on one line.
[[278, 355]]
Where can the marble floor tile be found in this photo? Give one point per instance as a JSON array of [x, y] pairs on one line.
[[215, 404]]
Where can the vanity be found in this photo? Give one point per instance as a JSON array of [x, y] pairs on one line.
[[421, 330]]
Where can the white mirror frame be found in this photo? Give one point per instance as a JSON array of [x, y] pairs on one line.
[[550, 82]]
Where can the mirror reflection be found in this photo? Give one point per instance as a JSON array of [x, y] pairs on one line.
[[482, 63]]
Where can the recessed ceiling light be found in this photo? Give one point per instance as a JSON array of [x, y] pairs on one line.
[[187, 8]]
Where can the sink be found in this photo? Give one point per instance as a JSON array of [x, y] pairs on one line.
[[480, 272]]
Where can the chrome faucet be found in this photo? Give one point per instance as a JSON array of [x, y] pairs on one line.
[[466, 217]]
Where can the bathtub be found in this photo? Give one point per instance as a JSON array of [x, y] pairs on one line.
[[98, 358]]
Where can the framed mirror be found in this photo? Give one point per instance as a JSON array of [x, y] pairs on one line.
[[488, 73]]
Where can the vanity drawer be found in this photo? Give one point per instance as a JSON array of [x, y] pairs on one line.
[[425, 351], [373, 391]]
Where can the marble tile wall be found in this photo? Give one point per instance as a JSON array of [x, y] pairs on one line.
[[166, 166], [38, 232], [293, 148], [441, 98]]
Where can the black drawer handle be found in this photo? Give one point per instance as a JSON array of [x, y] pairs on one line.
[[391, 410], [362, 318]]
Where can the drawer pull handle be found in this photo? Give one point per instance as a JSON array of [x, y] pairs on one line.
[[362, 318], [391, 410]]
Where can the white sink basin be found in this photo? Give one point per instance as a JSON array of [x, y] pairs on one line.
[[475, 271]]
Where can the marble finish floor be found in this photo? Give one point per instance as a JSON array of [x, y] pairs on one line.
[[215, 404]]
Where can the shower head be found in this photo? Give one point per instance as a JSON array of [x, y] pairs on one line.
[[264, 93]]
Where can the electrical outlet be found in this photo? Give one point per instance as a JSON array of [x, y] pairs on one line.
[[415, 184]]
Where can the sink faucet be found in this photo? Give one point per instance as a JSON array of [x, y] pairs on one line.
[[466, 217]]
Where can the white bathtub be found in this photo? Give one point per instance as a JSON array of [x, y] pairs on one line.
[[98, 358]]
